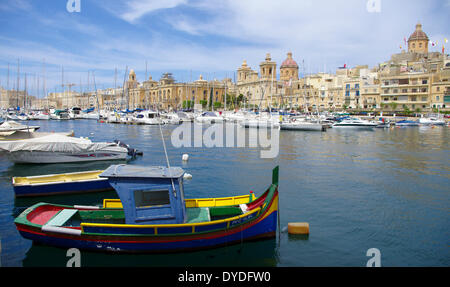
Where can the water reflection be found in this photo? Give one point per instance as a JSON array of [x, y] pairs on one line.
[[386, 188], [249, 254]]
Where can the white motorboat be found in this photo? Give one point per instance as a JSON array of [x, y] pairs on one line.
[[302, 126], [10, 127], [431, 121], [209, 118], [90, 116], [113, 118], [40, 116], [12, 117], [60, 115], [185, 117], [355, 123], [148, 118], [235, 117], [24, 135], [75, 113], [260, 123], [172, 118], [23, 117], [57, 148]]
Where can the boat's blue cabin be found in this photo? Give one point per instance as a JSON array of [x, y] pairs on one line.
[[149, 195]]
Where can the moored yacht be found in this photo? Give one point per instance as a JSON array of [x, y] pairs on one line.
[[57, 148], [209, 117], [431, 121], [355, 123], [148, 118]]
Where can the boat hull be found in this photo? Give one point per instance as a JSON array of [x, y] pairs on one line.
[[302, 127], [159, 238], [263, 229], [60, 188], [355, 126], [44, 157]]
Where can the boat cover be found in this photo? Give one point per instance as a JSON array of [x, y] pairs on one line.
[[10, 126], [135, 171], [54, 143]]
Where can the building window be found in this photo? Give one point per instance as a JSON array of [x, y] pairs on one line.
[[424, 82], [437, 98], [438, 89]]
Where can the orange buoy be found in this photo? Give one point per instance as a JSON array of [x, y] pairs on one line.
[[298, 228]]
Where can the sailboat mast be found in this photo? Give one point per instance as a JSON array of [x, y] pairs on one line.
[[45, 87], [7, 87], [18, 83], [25, 94], [115, 85]]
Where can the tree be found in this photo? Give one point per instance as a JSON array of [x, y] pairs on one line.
[[407, 110], [204, 103], [393, 106], [240, 98]]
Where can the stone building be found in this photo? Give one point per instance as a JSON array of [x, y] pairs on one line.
[[418, 41], [289, 69]]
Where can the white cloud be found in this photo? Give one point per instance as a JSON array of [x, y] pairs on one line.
[[11, 5], [135, 9], [324, 33]]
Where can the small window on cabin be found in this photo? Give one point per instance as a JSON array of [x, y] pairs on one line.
[[147, 198]]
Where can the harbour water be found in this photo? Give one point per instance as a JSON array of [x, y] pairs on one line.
[[387, 189]]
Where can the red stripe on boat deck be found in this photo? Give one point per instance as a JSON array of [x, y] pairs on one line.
[[44, 216]]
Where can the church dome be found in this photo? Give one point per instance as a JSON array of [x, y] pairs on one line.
[[418, 35], [289, 62]]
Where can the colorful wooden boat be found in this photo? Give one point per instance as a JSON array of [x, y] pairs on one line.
[[153, 216], [57, 184]]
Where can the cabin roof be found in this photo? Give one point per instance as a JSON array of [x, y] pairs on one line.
[[133, 171]]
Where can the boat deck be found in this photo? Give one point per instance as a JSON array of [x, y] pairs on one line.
[[74, 218]]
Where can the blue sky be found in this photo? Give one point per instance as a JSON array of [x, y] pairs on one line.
[[193, 37]]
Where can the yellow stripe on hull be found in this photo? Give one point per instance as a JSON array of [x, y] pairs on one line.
[[57, 178], [199, 202], [116, 202], [257, 210]]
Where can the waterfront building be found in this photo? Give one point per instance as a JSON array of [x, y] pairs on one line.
[[257, 90], [440, 88], [289, 69], [11, 99], [418, 41], [168, 94]]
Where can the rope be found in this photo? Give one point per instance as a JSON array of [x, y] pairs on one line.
[[167, 158]]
